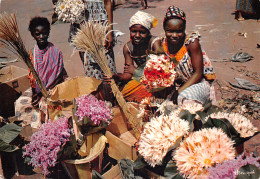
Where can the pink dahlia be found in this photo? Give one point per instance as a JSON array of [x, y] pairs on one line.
[[159, 135], [201, 150]]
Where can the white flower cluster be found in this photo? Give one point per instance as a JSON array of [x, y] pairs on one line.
[[239, 122], [159, 135], [69, 10]]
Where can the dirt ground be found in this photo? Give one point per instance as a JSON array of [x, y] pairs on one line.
[[214, 20]]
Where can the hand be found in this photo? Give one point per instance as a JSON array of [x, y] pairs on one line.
[[129, 69], [106, 78], [36, 98]]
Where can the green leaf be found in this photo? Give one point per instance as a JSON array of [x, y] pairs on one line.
[[5, 147], [171, 171], [208, 109], [248, 172], [127, 168], [140, 163], [7, 134], [186, 115]]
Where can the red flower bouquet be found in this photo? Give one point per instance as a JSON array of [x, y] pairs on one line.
[[158, 72]]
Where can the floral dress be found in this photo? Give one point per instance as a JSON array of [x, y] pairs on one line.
[[95, 10]]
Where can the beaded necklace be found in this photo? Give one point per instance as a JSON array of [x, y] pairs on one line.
[[179, 55]]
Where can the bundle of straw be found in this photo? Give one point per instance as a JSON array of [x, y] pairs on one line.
[[11, 40], [91, 38]]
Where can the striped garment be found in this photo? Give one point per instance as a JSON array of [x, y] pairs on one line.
[[48, 64], [199, 92], [247, 6]]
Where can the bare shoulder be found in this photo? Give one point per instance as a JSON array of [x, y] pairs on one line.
[[156, 44], [127, 47], [194, 46]]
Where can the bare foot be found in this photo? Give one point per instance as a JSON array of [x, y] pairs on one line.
[[144, 7], [241, 19]]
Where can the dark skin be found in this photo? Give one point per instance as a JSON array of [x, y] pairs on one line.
[[140, 38], [41, 35], [175, 34]]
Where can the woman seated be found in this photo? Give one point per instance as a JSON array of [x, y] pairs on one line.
[[135, 52], [194, 69], [47, 60]]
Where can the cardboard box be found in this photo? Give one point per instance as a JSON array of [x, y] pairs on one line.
[[13, 82], [82, 168], [120, 137], [121, 147], [114, 173]]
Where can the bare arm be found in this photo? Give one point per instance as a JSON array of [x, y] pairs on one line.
[[127, 75], [195, 53], [108, 7]]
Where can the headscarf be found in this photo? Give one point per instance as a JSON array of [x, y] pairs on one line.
[[174, 11], [144, 19]]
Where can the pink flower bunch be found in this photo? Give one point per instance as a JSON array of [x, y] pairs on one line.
[[46, 143], [91, 107], [229, 169]]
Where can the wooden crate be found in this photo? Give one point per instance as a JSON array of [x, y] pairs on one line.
[[114, 173], [120, 137], [13, 82], [121, 147], [82, 168]]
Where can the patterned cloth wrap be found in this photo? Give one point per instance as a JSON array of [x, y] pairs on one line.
[[198, 92], [95, 10], [24, 111], [48, 63], [144, 19]]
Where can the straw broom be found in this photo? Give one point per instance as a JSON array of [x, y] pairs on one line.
[[91, 38], [11, 40]]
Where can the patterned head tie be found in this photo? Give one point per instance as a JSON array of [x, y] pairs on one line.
[[144, 19], [174, 11]]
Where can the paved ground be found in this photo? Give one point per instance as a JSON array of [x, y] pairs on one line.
[[213, 19]]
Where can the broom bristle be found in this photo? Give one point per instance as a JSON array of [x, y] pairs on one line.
[[91, 38], [11, 40]]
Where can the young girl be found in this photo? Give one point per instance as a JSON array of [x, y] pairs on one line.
[[48, 63], [194, 70], [140, 41]]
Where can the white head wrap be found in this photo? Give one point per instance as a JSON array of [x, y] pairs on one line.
[[144, 19]]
